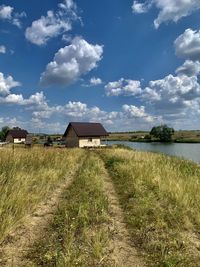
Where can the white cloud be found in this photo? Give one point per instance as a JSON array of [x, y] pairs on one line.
[[171, 94], [123, 87], [150, 94], [7, 13], [169, 10], [12, 99], [38, 100], [189, 68], [45, 28], [7, 83], [53, 24], [16, 20], [68, 4], [140, 8], [95, 81], [42, 114], [2, 49], [187, 45], [131, 111], [73, 111], [71, 62]]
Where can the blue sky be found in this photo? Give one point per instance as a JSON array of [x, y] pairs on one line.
[[128, 64]]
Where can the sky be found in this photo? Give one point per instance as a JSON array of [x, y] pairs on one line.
[[129, 65]]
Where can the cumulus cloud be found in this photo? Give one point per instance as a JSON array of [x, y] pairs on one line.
[[95, 81], [53, 24], [12, 99], [123, 87], [7, 83], [169, 10], [187, 45], [2, 49], [7, 13], [131, 111], [72, 110], [38, 99], [170, 94], [189, 68], [71, 62], [140, 8]]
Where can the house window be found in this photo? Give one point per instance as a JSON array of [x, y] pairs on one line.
[[89, 139], [19, 139]]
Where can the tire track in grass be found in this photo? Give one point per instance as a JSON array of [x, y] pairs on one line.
[[79, 233], [123, 251], [16, 245]]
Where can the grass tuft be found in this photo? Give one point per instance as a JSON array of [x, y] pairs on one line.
[[161, 200], [79, 234], [29, 176]]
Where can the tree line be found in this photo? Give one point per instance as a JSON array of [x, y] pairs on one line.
[[162, 132]]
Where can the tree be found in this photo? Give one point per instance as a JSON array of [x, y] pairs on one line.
[[162, 132], [3, 133]]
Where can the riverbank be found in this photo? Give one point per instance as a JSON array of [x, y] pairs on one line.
[[159, 195], [188, 151], [183, 141], [179, 137]]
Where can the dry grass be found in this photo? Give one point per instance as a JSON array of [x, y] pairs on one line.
[[161, 200], [29, 176], [79, 233], [159, 196]]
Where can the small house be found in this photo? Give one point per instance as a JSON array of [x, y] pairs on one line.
[[84, 134], [16, 136]]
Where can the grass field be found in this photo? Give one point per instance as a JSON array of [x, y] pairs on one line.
[[158, 196], [161, 200], [179, 136], [29, 176]]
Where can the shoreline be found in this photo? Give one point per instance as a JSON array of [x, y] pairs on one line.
[[153, 141]]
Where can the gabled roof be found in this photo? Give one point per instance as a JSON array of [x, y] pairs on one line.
[[17, 133], [87, 129]]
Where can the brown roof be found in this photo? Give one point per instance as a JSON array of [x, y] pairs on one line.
[[15, 133], [87, 129]]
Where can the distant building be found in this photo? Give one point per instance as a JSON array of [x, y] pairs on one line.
[[29, 140], [16, 136], [84, 134]]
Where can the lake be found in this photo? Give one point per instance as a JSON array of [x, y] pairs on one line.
[[187, 151]]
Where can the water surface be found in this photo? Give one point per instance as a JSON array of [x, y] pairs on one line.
[[187, 151]]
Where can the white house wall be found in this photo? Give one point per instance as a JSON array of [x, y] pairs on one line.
[[19, 140], [89, 142]]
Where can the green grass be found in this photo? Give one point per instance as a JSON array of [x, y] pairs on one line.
[[29, 176], [159, 195], [179, 137], [161, 200], [79, 233]]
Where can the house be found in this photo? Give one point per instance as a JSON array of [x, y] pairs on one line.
[[16, 136], [84, 134], [29, 140]]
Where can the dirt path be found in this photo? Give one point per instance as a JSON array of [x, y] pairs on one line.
[[122, 249], [14, 248]]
